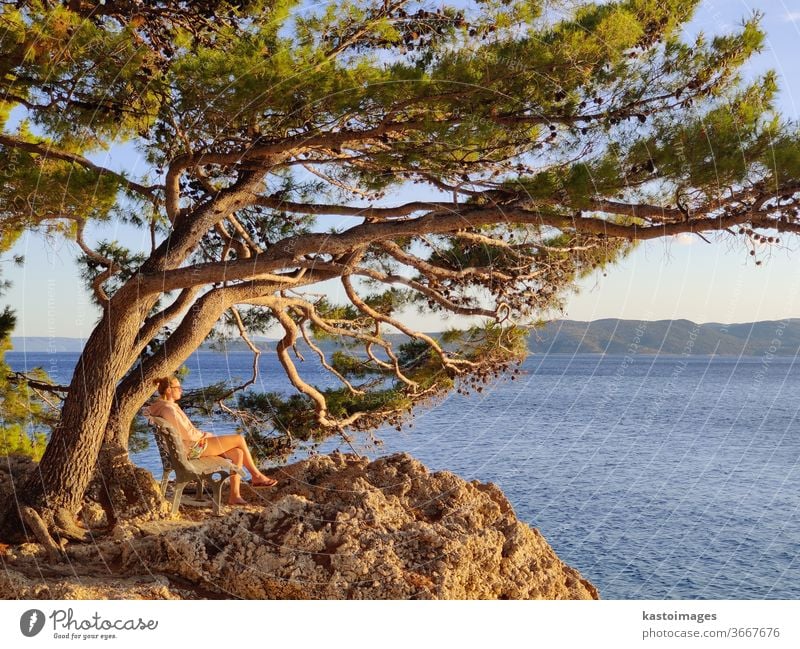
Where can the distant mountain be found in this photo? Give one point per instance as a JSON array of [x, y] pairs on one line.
[[39, 344], [610, 336], [675, 337]]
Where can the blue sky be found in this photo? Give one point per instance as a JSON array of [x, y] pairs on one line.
[[682, 277]]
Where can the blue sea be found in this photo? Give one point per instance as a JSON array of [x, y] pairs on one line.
[[656, 477]]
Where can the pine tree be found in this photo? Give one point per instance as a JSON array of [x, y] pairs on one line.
[[552, 143]]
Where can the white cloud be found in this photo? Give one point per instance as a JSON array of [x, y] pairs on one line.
[[792, 17]]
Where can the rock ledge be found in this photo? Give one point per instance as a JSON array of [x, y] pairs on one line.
[[338, 527]]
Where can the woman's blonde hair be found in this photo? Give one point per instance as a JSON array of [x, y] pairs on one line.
[[162, 383]]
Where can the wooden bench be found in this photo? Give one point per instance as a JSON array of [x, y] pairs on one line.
[[173, 458]]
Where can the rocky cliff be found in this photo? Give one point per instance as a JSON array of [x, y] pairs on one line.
[[337, 527]]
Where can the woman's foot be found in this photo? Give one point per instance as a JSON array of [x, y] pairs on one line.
[[237, 501], [263, 481]]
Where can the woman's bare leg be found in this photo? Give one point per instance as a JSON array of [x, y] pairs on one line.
[[235, 455], [224, 443]]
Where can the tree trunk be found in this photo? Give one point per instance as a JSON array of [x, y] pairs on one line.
[[56, 490], [124, 490]]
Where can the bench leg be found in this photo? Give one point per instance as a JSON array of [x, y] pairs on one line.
[[176, 498], [165, 482], [216, 495]]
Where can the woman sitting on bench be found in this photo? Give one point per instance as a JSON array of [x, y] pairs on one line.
[[201, 444]]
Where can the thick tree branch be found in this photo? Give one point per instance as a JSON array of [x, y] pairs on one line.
[[137, 386], [284, 253], [154, 323], [190, 228]]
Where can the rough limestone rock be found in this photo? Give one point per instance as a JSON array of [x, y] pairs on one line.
[[341, 527], [14, 585], [337, 527]]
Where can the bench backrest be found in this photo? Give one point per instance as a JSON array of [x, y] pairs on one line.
[[170, 446], [161, 444]]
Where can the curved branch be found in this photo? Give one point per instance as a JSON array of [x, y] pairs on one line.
[[340, 269], [379, 317], [172, 187], [111, 266], [368, 212], [310, 312], [428, 292], [287, 342], [137, 386], [515, 248], [637, 210], [244, 235], [242, 252], [324, 362], [427, 268], [80, 225], [256, 351], [335, 183], [21, 377]]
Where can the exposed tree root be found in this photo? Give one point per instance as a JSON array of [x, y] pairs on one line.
[[33, 521], [67, 528]]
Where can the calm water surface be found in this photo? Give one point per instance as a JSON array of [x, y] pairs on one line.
[[656, 477]]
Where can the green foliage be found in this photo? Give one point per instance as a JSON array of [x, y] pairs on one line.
[[288, 421], [342, 403], [140, 435], [344, 316], [7, 322], [23, 418], [717, 148], [292, 415], [388, 302], [351, 366], [783, 158], [15, 441]]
